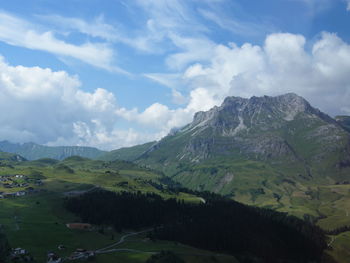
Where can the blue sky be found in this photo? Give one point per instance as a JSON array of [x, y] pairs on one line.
[[117, 73]]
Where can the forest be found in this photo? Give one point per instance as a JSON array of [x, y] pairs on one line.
[[250, 234]]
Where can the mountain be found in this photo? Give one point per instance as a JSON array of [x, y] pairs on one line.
[[127, 153], [255, 145], [33, 151]]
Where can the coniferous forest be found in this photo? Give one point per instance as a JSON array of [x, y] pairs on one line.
[[249, 233]]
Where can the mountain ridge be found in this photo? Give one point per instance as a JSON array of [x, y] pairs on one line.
[[33, 151]]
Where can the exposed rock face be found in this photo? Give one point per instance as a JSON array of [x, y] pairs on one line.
[[283, 128]]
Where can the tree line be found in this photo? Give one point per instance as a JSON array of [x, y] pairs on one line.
[[251, 234]]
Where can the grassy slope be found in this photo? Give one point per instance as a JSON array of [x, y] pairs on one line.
[[341, 247], [4, 156], [37, 222], [126, 154]]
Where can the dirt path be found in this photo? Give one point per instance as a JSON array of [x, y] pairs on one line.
[[125, 250], [121, 240]]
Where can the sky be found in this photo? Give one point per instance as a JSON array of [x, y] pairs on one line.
[[116, 73]]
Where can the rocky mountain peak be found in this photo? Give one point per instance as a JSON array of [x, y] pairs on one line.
[[236, 113], [260, 126]]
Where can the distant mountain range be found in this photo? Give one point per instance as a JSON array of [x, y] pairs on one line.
[[33, 151]]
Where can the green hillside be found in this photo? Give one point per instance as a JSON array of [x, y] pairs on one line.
[[126, 154], [4, 156]]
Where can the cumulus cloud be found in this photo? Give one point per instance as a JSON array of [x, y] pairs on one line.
[[281, 65], [50, 107]]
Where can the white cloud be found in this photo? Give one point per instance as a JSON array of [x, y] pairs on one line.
[[172, 15], [98, 28], [192, 49], [347, 5], [49, 107], [18, 32], [282, 65], [163, 21], [235, 26], [164, 119]]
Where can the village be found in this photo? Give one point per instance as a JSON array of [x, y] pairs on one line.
[[22, 183], [22, 255]]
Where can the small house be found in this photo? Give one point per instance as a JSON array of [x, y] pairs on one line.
[[19, 251], [20, 193]]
